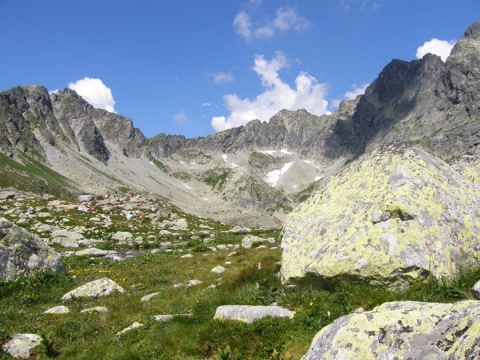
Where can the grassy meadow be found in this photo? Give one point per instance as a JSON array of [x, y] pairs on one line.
[[197, 336]]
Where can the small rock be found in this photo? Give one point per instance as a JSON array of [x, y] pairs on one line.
[[218, 269], [101, 309], [135, 325], [149, 296], [61, 309], [97, 288]]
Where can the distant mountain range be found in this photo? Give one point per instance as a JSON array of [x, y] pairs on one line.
[[250, 175]]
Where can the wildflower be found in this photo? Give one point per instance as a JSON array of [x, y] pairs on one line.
[[461, 241], [259, 266], [311, 303]]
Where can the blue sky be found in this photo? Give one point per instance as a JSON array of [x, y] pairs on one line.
[[194, 67]]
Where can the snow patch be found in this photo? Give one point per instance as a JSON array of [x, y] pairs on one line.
[[274, 176], [229, 163], [271, 152]]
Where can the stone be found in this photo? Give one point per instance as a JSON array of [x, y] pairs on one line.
[[122, 236], [193, 283], [149, 296], [134, 326], [44, 214], [22, 253], [61, 309], [97, 288], [476, 290], [7, 195], [101, 309], [19, 345], [85, 198], [402, 330], [395, 215], [218, 270], [166, 318], [249, 240], [180, 224], [186, 256], [66, 238], [249, 314], [94, 252]]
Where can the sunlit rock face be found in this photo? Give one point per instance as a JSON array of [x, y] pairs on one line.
[[395, 215]]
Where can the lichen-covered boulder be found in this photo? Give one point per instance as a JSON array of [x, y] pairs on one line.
[[396, 214], [402, 330], [19, 345], [22, 253], [249, 314], [97, 288]]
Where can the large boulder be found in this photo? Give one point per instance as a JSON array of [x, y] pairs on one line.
[[402, 330], [22, 253], [395, 215]]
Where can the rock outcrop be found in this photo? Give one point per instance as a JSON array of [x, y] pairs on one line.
[[395, 215], [402, 330], [23, 254]]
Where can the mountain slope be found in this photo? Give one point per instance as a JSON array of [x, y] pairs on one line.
[[254, 173]]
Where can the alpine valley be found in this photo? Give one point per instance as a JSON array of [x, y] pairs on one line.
[[252, 175]]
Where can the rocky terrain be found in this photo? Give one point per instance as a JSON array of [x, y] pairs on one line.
[[257, 173], [382, 192]]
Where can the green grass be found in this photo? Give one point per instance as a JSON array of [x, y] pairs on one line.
[[161, 166], [93, 336], [33, 176]]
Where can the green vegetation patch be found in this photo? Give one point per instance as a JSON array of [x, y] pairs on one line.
[[32, 177], [161, 166], [216, 178]]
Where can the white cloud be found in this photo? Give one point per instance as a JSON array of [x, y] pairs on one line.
[[95, 93], [441, 48], [308, 94], [222, 78], [180, 116], [243, 25], [206, 104], [351, 95], [286, 19]]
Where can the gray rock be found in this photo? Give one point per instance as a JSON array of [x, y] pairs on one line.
[[61, 309], [134, 326], [218, 270], [122, 236], [97, 288], [7, 195], [101, 309], [149, 296], [476, 290], [249, 314], [402, 330], [66, 238], [22, 253], [249, 240], [85, 198], [19, 345]]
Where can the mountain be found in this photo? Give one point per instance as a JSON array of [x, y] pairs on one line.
[[253, 174]]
